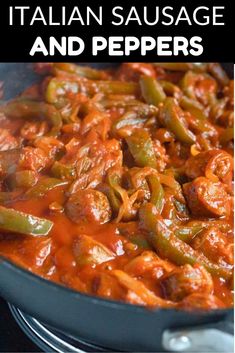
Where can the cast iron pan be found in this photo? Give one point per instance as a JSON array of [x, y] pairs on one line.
[[110, 324]]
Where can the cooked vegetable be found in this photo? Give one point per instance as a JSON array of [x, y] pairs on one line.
[[63, 171], [172, 117], [157, 194], [187, 232], [59, 88], [87, 251], [152, 90], [201, 87], [127, 123], [171, 89], [218, 72], [141, 147], [23, 223], [22, 179], [43, 186], [194, 107], [146, 262], [24, 108], [171, 247], [82, 71], [120, 197], [138, 288], [180, 66], [129, 171]]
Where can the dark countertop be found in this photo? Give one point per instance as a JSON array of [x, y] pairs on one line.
[[12, 339]]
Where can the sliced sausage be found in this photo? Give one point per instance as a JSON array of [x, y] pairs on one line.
[[215, 164], [205, 198], [185, 280], [214, 244], [33, 159], [9, 161], [88, 205]]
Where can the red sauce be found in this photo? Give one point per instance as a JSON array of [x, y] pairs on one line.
[[99, 244]]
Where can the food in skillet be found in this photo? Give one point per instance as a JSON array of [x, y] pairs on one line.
[[118, 183]]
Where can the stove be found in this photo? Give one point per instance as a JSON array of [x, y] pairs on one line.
[[12, 339], [22, 333]]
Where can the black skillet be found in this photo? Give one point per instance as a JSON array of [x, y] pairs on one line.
[[116, 326]]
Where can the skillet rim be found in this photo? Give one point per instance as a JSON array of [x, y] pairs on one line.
[[114, 304]]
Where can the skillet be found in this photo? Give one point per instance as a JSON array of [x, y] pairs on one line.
[[116, 326]]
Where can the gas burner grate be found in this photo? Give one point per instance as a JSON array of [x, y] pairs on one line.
[[50, 340]]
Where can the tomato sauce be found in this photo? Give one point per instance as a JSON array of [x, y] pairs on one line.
[[122, 181]]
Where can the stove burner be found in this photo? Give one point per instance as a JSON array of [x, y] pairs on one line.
[[48, 339]]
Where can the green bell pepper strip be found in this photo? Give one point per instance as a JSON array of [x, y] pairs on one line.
[[157, 192], [169, 180], [193, 106], [125, 208], [63, 171], [136, 117], [218, 72], [181, 66], [115, 190], [181, 208], [140, 242], [58, 88], [23, 223], [187, 233], [114, 178], [82, 71], [43, 186], [188, 84], [22, 179], [170, 89], [112, 197], [203, 125], [113, 102], [111, 87], [222, 225], [141, 147], [227, 135], [25, 108], [151, 90], [170, 246], [172, 118], [132, 107], [127, 120]]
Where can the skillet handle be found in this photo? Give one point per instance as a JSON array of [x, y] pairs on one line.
[[218, 338]]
